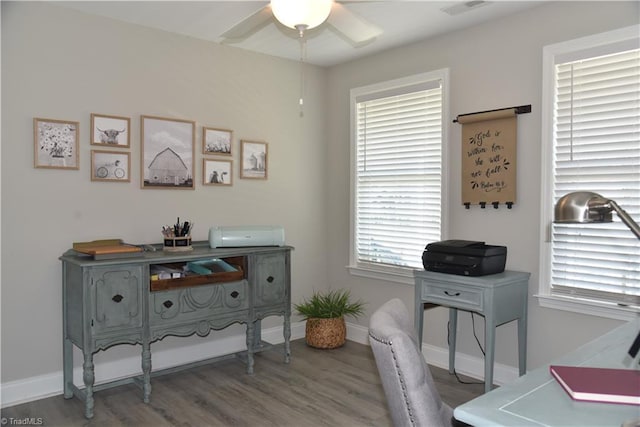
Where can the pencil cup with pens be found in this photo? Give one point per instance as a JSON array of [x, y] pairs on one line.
[[177, 238]]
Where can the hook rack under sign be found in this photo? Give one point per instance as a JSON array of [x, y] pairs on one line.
[[483, 205]]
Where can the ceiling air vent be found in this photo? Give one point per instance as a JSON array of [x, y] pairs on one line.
[[463, 7]]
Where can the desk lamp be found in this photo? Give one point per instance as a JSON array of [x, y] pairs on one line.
[[585, 207], [588, 207]]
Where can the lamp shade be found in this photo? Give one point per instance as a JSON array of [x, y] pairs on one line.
[[298, 14], [582, 206], [585, 206]]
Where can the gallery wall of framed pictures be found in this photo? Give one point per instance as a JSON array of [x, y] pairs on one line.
[[167, 151]]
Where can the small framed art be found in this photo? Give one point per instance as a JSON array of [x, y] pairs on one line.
[[168, 148], [110, 166], [216, 141], [110, 130], [217, 172], [55, 143], [254, 160]]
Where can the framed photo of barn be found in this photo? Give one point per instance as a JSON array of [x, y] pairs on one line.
[[55, 144], [168, 151], [216, 141], [112, 131], [254, 160], [217, 172], [110, 166]]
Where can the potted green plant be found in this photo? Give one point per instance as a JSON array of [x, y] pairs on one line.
[[324, 313]]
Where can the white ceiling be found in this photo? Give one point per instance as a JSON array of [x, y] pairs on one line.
[[402, 22]]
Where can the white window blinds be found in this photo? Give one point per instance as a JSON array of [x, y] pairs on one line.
[[398, 174], [597, 148]]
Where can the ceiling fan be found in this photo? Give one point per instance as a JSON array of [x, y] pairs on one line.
[[303, 15]]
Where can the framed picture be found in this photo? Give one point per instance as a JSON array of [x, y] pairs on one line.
[[254, 160], [216, 141], [55, 144], [217, 172], [168, 150], [110, 166], [110, 130]]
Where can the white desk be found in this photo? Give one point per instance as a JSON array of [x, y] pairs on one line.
[[536, 399]]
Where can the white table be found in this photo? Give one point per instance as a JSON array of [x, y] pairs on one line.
[[536, 399]]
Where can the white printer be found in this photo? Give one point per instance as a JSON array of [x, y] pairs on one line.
[[246, 235]]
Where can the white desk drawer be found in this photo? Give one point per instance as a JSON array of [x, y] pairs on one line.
[[452, 294]]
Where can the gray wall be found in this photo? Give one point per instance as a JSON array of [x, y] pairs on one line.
[[494, 65], [62, 64]]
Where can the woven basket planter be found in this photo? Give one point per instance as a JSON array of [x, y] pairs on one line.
[[326, 333]]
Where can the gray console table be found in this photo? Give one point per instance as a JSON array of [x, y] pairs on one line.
[[110, 302], [500, 298]]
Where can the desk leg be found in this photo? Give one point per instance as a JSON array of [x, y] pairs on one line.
[[257, 334], [490, 350], [250, 343], [522, 345], [67, 367], [453, 328], [88, 378], [146, 372], [419, 320], [287, 338]]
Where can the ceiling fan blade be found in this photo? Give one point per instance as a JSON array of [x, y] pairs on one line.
[[352, 26], [248, 26]]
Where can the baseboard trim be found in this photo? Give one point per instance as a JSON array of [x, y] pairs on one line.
[[43, 386]]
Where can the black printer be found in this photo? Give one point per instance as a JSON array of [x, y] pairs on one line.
[[464, 257]]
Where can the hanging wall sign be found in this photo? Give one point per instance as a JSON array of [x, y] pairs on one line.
[[489, 142]]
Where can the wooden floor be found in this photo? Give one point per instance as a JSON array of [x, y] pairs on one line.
[[338, 387]]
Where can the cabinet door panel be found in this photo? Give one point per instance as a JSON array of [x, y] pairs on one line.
[[117, 297], [270, 279]]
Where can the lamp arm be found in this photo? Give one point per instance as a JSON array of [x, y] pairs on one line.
[[626, 218]]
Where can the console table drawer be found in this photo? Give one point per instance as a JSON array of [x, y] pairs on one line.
[[189, 304], [448, 294], [200, 279]]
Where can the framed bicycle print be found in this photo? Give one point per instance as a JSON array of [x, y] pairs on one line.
[[216, 141], [55, 144], [110, 130], [110, 166], [217, 172], [254, 160], [168, 150]]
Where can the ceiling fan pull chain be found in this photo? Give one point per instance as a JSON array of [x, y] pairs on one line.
[[303, 54]]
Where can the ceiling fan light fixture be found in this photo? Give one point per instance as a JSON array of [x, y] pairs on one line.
[[305, 14]]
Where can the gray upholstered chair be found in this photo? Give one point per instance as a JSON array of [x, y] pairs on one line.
[[408, 385]]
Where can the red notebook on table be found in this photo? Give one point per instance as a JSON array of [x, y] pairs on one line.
[[599, 384]]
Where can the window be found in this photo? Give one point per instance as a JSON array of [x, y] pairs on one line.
[[397, 169], [591, 142]]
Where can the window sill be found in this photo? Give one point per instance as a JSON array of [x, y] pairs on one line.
[[387, 274], [590, 307]]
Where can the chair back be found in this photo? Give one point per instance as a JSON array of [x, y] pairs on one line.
[[412, 397]]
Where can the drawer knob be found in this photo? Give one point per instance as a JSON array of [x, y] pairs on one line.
[[117, 298], [168, 303], [235, 294], [270, 279], [452, 294]]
